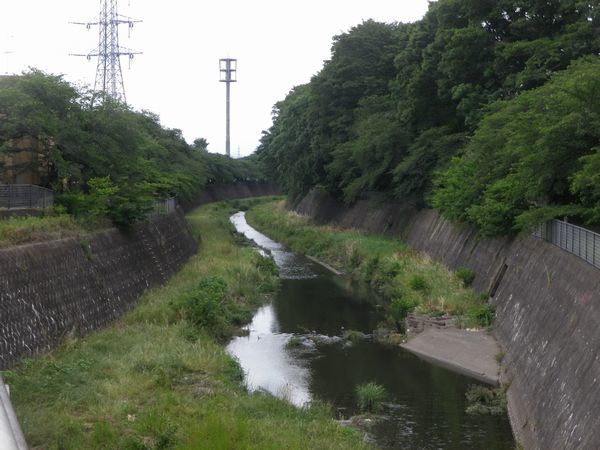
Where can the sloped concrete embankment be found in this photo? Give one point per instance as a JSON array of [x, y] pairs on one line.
[[75, 286], [68, 286], [220, 192], [548, 314]]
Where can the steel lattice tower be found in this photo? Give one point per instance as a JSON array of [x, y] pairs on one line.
[[109, 77]]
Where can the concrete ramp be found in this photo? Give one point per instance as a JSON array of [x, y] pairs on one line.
[[472, 353]]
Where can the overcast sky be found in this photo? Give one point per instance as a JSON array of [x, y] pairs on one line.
[[279, 44]]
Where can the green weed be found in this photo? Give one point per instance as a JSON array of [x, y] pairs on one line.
[[483, 400], [404, 279], [466, 276], [159, 379], [370, 397]]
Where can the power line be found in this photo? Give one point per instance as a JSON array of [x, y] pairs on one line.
[[109, 76]]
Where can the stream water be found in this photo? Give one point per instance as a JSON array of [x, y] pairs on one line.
[[426, 408]]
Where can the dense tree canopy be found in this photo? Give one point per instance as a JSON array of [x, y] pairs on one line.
[[107, 147], [396, 103]]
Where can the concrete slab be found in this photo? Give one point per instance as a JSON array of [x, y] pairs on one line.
[[471, 353]]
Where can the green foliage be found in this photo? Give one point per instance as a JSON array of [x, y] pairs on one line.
[[294, 342], [465, 275], [401, 307], [481, 314], [353, 336], [106, 160], [532, 158], [484, 400], [370, 397], [143, 384], [404, 280], [418, 282], [479, 92], [205, 306], [26, 230]]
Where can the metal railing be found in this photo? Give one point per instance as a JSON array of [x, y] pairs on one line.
[[576, 240], [19, 196], [11, 436], [166, 206]]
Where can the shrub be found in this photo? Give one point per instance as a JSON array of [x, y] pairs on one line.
[[370, 397], [353, 336], [466, 276], [205, 307], [418, 283], [481, 314], [294, 342], [484, 400], [400, 308], [370, 268]]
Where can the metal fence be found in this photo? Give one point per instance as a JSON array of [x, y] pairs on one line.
[[579, 241], [166, 206], [18, 196]]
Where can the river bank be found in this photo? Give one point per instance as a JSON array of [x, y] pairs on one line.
[[160, 378], [404, 279], [316, 340]]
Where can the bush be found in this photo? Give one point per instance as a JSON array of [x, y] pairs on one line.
[[418, 283], [294, 342], [400, 308], [481, 314], [205, 307], [465, 275], [484, 400], [370, 397]]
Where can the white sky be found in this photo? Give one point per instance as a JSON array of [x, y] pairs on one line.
[[278, 45]]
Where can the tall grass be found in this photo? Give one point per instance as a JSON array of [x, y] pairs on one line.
[[370, 397], [408, 280], [159, 378], [29, 229]]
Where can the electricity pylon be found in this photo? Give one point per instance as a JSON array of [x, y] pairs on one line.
[[109, 77]]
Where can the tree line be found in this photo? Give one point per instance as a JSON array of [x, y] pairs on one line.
[[107, 159], [488, 110]]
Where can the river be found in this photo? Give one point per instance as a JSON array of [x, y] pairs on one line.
[[314, 308]]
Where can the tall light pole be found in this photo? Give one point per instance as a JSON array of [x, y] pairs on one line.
[[228, 75]]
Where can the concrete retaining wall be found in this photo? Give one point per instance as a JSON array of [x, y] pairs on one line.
[[219, 192], [69, 286], [53, 288], [548, 314]]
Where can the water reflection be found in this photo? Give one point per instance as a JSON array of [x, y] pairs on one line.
[[264, 348], [427, 403]]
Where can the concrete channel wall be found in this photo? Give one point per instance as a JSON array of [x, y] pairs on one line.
[[547, 314], [50, 289]]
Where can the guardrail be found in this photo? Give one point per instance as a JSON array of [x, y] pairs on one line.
[[20, 196], [166, 206], [11, 436], [576, 240]]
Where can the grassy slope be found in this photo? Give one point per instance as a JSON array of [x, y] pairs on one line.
[[405, 278], [25, 230], [154, 381]]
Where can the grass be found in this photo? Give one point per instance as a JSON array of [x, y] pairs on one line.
[[30, 229], [159, 378], [408, 280], [370, 397], [483, 400]]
